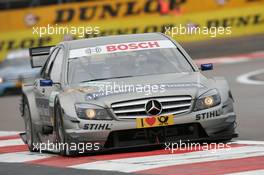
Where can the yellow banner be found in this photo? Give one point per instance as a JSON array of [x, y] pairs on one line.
[[109, 10], [236, 22]]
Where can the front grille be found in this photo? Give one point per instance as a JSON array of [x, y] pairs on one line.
[[136, 108]]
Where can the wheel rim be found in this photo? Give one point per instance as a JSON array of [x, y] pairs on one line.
[[28, 126]]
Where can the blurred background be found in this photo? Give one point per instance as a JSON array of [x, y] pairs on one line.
[[22, 20]]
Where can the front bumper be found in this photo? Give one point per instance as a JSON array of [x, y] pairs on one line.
[[187, 127]]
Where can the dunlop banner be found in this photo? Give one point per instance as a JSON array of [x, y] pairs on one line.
[[234, 22], [108, 10]]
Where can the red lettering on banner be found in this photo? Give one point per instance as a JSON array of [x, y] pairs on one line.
[[110, 48], [154, 44], [143, 45], [132, 46], [122, 47]]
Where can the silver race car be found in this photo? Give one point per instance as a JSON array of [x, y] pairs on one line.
[[122, 91]]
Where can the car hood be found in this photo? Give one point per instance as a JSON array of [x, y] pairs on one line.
[[99, 92]]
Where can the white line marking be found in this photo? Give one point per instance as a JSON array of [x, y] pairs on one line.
[[8, 133], [11, 142], [246, 78], [222, 60], [157, 161], [258, 52], [254, 172], [248, 142], [233, 60], [22, 157]]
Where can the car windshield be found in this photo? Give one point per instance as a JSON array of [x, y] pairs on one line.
[[127, 64]]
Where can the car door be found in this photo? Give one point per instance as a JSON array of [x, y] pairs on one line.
[[55, 74], [43, 88]]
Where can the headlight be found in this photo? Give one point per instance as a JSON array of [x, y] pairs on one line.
[[91, 112], [1, 80], [207, 100]]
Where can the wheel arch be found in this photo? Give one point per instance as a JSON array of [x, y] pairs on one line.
[[68, 112], [29, 97], [222, 85]]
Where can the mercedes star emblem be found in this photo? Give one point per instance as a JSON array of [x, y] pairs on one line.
[[153, 107]]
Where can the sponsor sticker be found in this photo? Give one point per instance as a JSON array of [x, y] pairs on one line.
[[121, 47], [208, 115], [101, 126], [154, 121]]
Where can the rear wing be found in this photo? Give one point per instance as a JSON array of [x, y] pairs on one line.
[[39, 55]]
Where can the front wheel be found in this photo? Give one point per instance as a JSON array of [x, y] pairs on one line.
[[62, 144]]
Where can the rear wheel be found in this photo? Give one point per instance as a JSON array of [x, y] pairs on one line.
[[29, 129]]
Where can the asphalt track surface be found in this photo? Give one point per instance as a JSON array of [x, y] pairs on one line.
[[248, 97]]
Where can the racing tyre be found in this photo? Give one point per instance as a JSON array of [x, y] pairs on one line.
[[61, 141], [30, 139]]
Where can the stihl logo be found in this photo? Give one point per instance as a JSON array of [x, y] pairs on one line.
[[132, 46]]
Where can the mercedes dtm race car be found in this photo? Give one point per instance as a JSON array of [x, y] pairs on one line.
[[123, 91]]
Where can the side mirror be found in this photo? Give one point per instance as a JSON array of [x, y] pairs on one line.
[[207, 66], [43, 83]]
